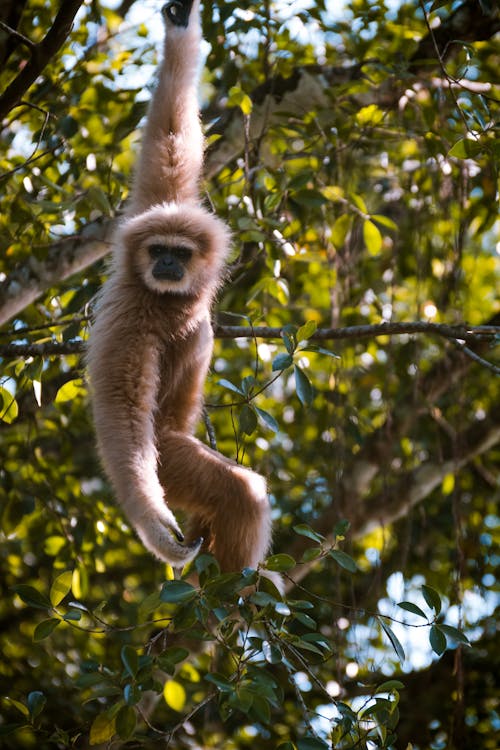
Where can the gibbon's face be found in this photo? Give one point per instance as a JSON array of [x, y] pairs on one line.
[[169, 264]]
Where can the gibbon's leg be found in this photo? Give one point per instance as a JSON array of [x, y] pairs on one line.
[[172, 152], [228, 499]]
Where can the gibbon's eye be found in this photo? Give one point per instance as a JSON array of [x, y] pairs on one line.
[[169, 262]]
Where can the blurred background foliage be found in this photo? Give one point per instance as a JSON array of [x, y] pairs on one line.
[[353, 148]]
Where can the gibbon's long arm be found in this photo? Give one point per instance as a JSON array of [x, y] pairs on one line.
[[172, 153], [125, 393]]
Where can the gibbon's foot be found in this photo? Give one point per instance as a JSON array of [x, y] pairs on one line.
[[177, 12]]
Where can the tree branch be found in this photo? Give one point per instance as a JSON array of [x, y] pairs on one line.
[[65, 258], [41, 55], [472, 334]]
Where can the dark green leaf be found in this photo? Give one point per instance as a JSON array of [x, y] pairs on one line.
[[303, 387], [175, 592], [282, 362], [230, 386], [306, 531], [220, 682], [31, 596], [126, 721], [36, 702], [454, 634], [437, 639], [344, 560], [432, 598], [410, 607], [398, 648], [45, 628], [130, 660], [280, 562], [268, 420], [247, 420], [272, 654], [389, 686]]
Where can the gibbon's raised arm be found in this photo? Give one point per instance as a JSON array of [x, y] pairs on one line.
[[151, 342], [172, 152]]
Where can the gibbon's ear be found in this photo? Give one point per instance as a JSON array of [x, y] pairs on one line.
[[177, 12]]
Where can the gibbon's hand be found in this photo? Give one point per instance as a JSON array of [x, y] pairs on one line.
[[177, 12]]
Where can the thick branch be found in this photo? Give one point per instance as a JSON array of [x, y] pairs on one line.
[[473, 334], [65, 258], [41, 55]]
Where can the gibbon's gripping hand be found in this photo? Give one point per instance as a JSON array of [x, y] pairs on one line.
[[177, 12]]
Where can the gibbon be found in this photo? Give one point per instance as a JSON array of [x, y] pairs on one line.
[[151, 341]]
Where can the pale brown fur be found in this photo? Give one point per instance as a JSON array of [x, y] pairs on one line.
[[151, 343]]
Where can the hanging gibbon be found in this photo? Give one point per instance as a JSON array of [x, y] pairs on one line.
[[151, 342]]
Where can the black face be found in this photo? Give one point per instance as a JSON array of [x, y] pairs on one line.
[[177, 11], [169, 262]]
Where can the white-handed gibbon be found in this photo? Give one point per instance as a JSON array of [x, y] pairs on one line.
[[151, 342]]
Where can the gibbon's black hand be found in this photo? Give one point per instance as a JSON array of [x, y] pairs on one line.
[[177, 12]]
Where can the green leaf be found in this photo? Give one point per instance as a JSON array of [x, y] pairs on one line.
[[175, 592], [341, 528], [72, 616], [230, 386], [70, 391], [220, 682], [437, 639], [306, 331], [344, 560], [9, 409], [280, 562], [174, 695], [268, 419], [282, 362], [17, 704], [432, 598], [454, 634], [102, 729], [306, 531], [410, 607], [31, 596], [319, 350], [36, 703], [238, 98], [385, 221], [247, 420], [61, 587], [45, 628], [272, 654], [465, 148], [126, 721], [398, 648], [389, 686], [340, 229], [261, 708], [130, 660], [372, 237], [303, 387]]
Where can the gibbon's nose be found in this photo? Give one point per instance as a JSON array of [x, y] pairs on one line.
[[168, 268]]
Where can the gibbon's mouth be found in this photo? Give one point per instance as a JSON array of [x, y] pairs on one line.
[[172, 274]]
